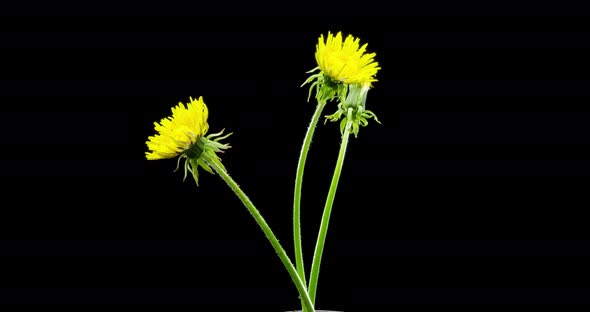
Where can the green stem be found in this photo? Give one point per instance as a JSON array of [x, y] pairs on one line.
[[297, 193], [319, 248], [218, 167]]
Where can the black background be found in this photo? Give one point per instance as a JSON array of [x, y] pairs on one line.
[[472, 190]]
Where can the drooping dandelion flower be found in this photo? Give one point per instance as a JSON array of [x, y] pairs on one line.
[[183, 135], [177, 133]]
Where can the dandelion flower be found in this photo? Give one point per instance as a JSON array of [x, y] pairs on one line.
[[176, 134], [346, 61], [183, 135]]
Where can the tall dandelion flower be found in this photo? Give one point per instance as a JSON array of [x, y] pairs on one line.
[[345, 72], [346, 61], [341, 63], [182, 135]]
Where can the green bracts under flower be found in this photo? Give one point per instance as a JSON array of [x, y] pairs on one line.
[[193, 156], [356, 101], [326, 89]]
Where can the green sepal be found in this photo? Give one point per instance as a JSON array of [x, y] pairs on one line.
[[325, 88], [204, 165], [337, 115], [342, 125], [369, 114], [312, 70], [315, 84], [192, 166]]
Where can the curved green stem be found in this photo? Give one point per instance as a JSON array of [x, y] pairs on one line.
[[319, 248], [297, 193], [218, 167]]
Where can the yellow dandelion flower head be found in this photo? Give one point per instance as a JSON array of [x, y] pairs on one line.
[[180, 131], [346, 61]]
